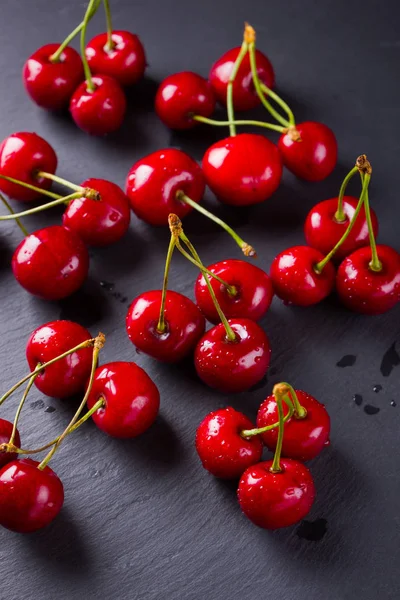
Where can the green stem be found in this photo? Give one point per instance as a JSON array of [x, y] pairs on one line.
[[54, 58], [340, 217], [28, 186], [110, 43], [88, 75], [207, 121], [60, 180], [37, 209], [19, 409], [12, 213], [299, 411], [229, 89], [375, 264], [279, 395], [281, 102], [245, 247], [246, 433], [161, 325]]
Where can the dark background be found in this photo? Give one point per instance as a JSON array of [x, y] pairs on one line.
[[142, 519]]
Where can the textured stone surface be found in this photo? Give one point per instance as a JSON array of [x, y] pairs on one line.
[[142, 520]]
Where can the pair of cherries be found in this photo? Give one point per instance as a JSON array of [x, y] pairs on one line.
[[123, 400], [231, 447]]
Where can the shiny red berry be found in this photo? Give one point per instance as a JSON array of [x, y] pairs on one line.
[[5, 434], [125, 61]]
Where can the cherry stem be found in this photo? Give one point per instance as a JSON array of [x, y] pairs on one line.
[[60, 180], [41, 367], [229, 89], [161, 325], [28, 186], [207, 121], [37, 209], [375, 264], [88, 75], [11, 211], [247, 433], [299, 411], [54, 58], [266, 90], [280, 391], [340, 217], [19, 409], [98, 345], [244, 246], [110, 44]]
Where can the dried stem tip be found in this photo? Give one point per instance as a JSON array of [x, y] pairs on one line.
[[175, 225], [100, 341], [293, 133], [363, 165], [249, 36], [249, 250], [280, 389], [91, 194]]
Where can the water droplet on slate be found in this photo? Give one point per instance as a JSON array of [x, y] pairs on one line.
[[390, 359], [357, 398], [37, 404], [371, 410], [49, 409], [377, 388], [107, 286], [393, 403], [348, 360], [313, 531]]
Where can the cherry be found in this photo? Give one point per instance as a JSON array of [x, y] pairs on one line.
[[182, 96], [131, 399], [364, 290], [276, 499], [125, 61], [295, 279], [305, 436], [103, 222], [51, 83], [22, 155], [5, 434], [99, 111], [154, 181], [252, 289], [183, 320], [243, 170], [244, 94], [323, 231], [233, 366], [69, 375], [51, 263], [222, 450], [314, 156], [30, 498]]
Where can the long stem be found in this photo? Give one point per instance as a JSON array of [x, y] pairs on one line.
[[37, 209], [299, 411], [375, 264], [39, 368], [28, 186], [246, 433], [54, 58], [279, 392], [281, 103], [161, 325], [19, 409], [60, 180], [340, 217], [229, 89], [88, 75], [216, 123], [245, 247], [98, 344], [110, 43], [12, 213]]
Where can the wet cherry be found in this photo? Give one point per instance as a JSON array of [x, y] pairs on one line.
[[295, 279], [5, 434], [131, 399], [125, 61], [51, 263], [51, 84], [222, 450], [30, 498]]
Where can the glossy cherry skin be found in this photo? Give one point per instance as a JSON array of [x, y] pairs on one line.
[[323, 231], [131, 399], [101, 111], [233, 366], [69, 375], [184, 321], [125, 62], [367, 291], [222, 450], [51, 84], [243, 170], [51, 263], [304, 438], [153, 182], [252, 284], [103, 222], [181, 96], [5, 434], [244, 94], [294, 279], [315, 156], [22, 155], [30, 498], [275, 500]]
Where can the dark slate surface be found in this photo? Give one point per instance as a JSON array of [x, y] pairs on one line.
[[142, 520]]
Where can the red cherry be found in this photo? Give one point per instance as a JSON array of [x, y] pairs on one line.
[[253, 297], [295, 280], [221, 448], [233, 366], [69, 375], [181, 96], [304, 438], [22, 155], [5, 434], [153, 182], [30, 498], [275, 500], [103, 222], [131, 399], [366, 291], [244, 94], [51, 263], [184, 325], [243, 170], [101, 111], [125, 62], [312, 158], [51, 84], [323, 231]]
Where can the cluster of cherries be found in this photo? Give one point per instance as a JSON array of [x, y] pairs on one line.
[[121, 398], [90, 83], [274, 493]]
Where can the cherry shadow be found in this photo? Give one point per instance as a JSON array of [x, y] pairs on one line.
[[84, 306]]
